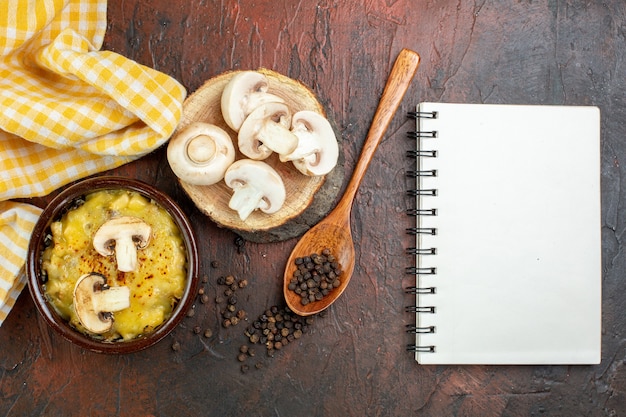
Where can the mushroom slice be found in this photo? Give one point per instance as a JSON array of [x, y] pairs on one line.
[[122, 236], [256, 185], [266, 130], [245, 91], [201, 153], [317, 150], [94, 302]]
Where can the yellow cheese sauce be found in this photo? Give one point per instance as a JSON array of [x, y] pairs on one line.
[[155, 286]]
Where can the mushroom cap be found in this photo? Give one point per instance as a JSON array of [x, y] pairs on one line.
[[93, 301], [244, 92], [317, 150], [266, 130], [255, 185], [201, 153]]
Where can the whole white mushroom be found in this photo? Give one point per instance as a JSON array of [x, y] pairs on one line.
[[201, 153]]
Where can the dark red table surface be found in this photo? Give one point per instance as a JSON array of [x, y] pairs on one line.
[[353, 361]]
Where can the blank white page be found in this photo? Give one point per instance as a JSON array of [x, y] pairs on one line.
[[518, 247]]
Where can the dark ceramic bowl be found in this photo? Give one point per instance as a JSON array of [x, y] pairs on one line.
[[57, 207]]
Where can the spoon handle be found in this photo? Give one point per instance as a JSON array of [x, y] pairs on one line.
[[397, 84]]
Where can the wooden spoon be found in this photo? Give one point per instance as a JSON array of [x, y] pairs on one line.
[[333, 232]]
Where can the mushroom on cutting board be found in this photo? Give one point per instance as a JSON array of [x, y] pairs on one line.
[[123, 236], [95, 301], [317, 151], [266, 130], [201, 153], [245, 92], [255, 185]]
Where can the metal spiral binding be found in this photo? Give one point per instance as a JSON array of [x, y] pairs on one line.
[[422, 349], [413, 270], [415, 329], [423, 114], [424, 173], [418, 212], [421, 231], [420, 290], [421, 251], [416, 192], [421, 154], [421, 135], [420, 309], [421, 212]]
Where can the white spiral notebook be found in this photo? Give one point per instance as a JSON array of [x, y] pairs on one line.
[[508, 247]]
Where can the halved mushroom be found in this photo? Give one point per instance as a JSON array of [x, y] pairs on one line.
[[266, 130], [256, 185], [201, 153], [122, 236], [95, 301], [317, 150], [245, 91]]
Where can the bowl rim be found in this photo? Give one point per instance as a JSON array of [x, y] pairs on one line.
[[55, 208]]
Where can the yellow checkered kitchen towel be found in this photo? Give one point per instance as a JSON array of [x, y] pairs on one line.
[[67, 110]]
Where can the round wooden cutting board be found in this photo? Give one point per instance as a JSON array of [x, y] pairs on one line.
[[308, 200]]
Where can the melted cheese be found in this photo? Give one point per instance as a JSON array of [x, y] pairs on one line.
[[156, 285]]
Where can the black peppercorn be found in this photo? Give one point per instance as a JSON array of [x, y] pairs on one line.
[[315, 276]]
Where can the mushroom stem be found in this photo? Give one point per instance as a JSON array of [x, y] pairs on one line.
[[305, 150], [111, 300], [246, 199], [277, 138], [201, 153], [266, 130], [201, 149], [126, 255]]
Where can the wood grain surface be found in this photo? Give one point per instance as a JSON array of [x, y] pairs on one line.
[[351, 361]]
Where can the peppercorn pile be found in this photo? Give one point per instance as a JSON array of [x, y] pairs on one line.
[[315, 277], [231, 314], [275, 328]]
